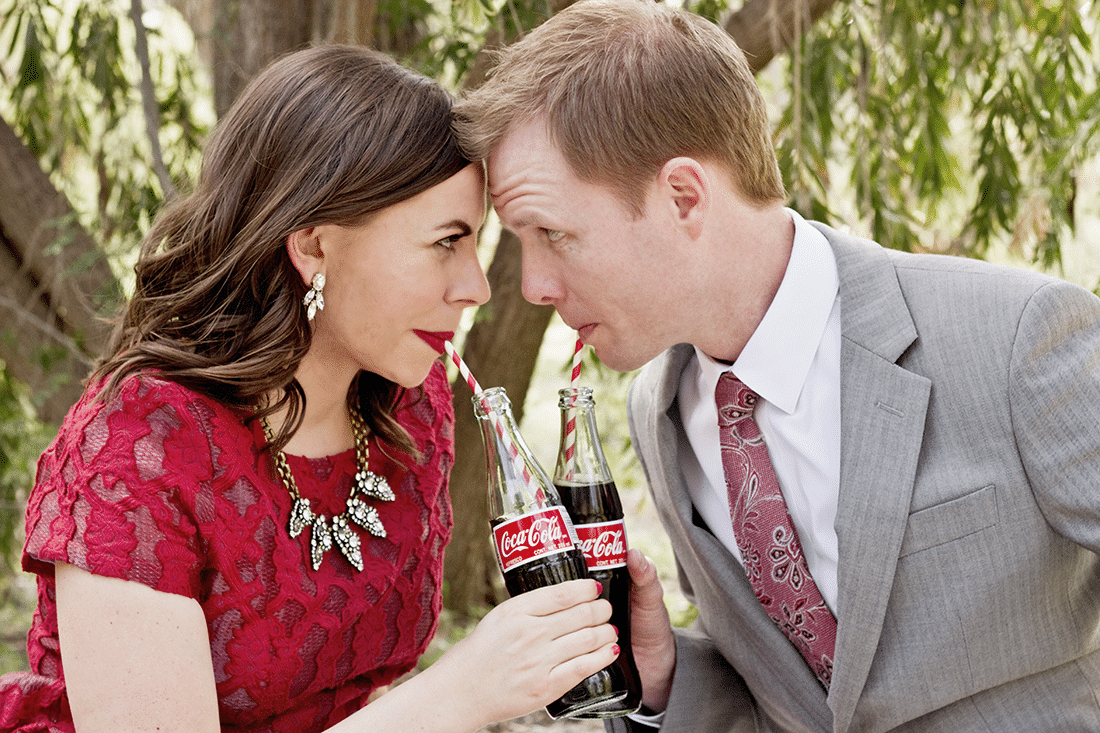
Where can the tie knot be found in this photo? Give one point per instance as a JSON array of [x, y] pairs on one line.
[[735, 400]]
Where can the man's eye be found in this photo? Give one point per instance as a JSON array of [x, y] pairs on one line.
[[554, 234]]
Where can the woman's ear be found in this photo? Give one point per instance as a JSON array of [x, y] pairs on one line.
[[687, 190], [305, 252]]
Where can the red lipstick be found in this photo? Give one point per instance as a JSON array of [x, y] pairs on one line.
[[435, 339]]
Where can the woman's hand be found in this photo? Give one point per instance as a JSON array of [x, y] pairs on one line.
[[525, 653]]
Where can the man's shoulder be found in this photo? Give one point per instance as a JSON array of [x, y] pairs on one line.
[[850, 246], [867, 267]]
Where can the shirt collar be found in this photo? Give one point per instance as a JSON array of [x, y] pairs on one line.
[[778, 355]]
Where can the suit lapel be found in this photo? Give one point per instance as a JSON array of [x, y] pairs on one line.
[[665, 386], [717, 566], [883, 409]]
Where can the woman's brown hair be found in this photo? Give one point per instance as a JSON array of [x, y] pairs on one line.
[[327, 135]]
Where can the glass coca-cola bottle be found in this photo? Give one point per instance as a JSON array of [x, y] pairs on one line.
[[535, 542], [587, 490]]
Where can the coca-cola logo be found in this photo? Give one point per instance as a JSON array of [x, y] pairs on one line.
[[604, 544], [531, 536]]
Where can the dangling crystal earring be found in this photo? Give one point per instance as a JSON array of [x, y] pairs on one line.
[[315, 298]]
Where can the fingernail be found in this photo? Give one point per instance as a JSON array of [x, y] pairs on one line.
[[616, 629], [615, 649], [599, 585]]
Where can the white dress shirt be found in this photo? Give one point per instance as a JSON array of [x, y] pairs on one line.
[[792, 361]]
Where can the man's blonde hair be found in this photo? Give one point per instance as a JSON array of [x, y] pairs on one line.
[[624, 87]]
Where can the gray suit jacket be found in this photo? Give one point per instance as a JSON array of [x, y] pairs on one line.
[[968, 520]]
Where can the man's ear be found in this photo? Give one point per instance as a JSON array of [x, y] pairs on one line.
[[687, 189], [305, 252]]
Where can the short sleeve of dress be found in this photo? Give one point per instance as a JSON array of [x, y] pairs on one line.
[[121, 492]]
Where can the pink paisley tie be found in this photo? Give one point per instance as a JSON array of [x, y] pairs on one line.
[[766, 538]]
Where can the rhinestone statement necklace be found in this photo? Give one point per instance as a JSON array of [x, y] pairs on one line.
[[322, 534]]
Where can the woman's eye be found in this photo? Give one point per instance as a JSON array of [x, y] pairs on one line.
[[554, 234], [449, 242]]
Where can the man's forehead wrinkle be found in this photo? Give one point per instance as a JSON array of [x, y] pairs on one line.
[[507, 193], [529, 195], [514, 175]]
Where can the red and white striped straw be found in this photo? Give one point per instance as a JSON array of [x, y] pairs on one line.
[[575, 375], [521, 466], [463, 369], [571, 415]]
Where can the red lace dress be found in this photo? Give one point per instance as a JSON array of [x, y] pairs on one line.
[[168, 488]]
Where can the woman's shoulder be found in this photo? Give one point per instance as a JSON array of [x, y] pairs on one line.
[[154, 388], [132, 468], [146, 388], [157, 399], [143, 411]]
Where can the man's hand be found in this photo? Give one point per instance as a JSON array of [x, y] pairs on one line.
[[650, 632]]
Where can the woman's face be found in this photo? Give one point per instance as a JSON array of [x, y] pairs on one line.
[[396, 286]]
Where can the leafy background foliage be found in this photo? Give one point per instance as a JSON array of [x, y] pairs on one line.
[[953, 125], [75, 100]]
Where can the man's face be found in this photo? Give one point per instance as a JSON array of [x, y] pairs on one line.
[[605, 270]]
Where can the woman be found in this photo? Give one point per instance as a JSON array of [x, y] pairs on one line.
[[241, 524]]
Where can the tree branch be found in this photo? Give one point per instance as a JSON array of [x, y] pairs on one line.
[[149, 100]]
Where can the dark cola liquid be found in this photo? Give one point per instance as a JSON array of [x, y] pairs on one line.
[[546, 570], [592, 504], [602, 688]]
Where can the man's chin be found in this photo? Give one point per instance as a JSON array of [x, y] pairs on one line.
[[619, 361]]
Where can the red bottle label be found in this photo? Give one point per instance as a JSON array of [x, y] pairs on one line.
[[604, 544], [531, 536]]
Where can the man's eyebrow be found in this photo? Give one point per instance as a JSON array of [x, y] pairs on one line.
[[525, 221]]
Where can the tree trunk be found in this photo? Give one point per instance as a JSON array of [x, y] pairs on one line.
[[248, 34], [500, 350], [766, 28], [346, 21], [56, 284]]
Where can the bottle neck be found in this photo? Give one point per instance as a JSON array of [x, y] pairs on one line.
[[581, 459], [516, 483]]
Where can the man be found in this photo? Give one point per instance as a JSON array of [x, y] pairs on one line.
[[930, 422]]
